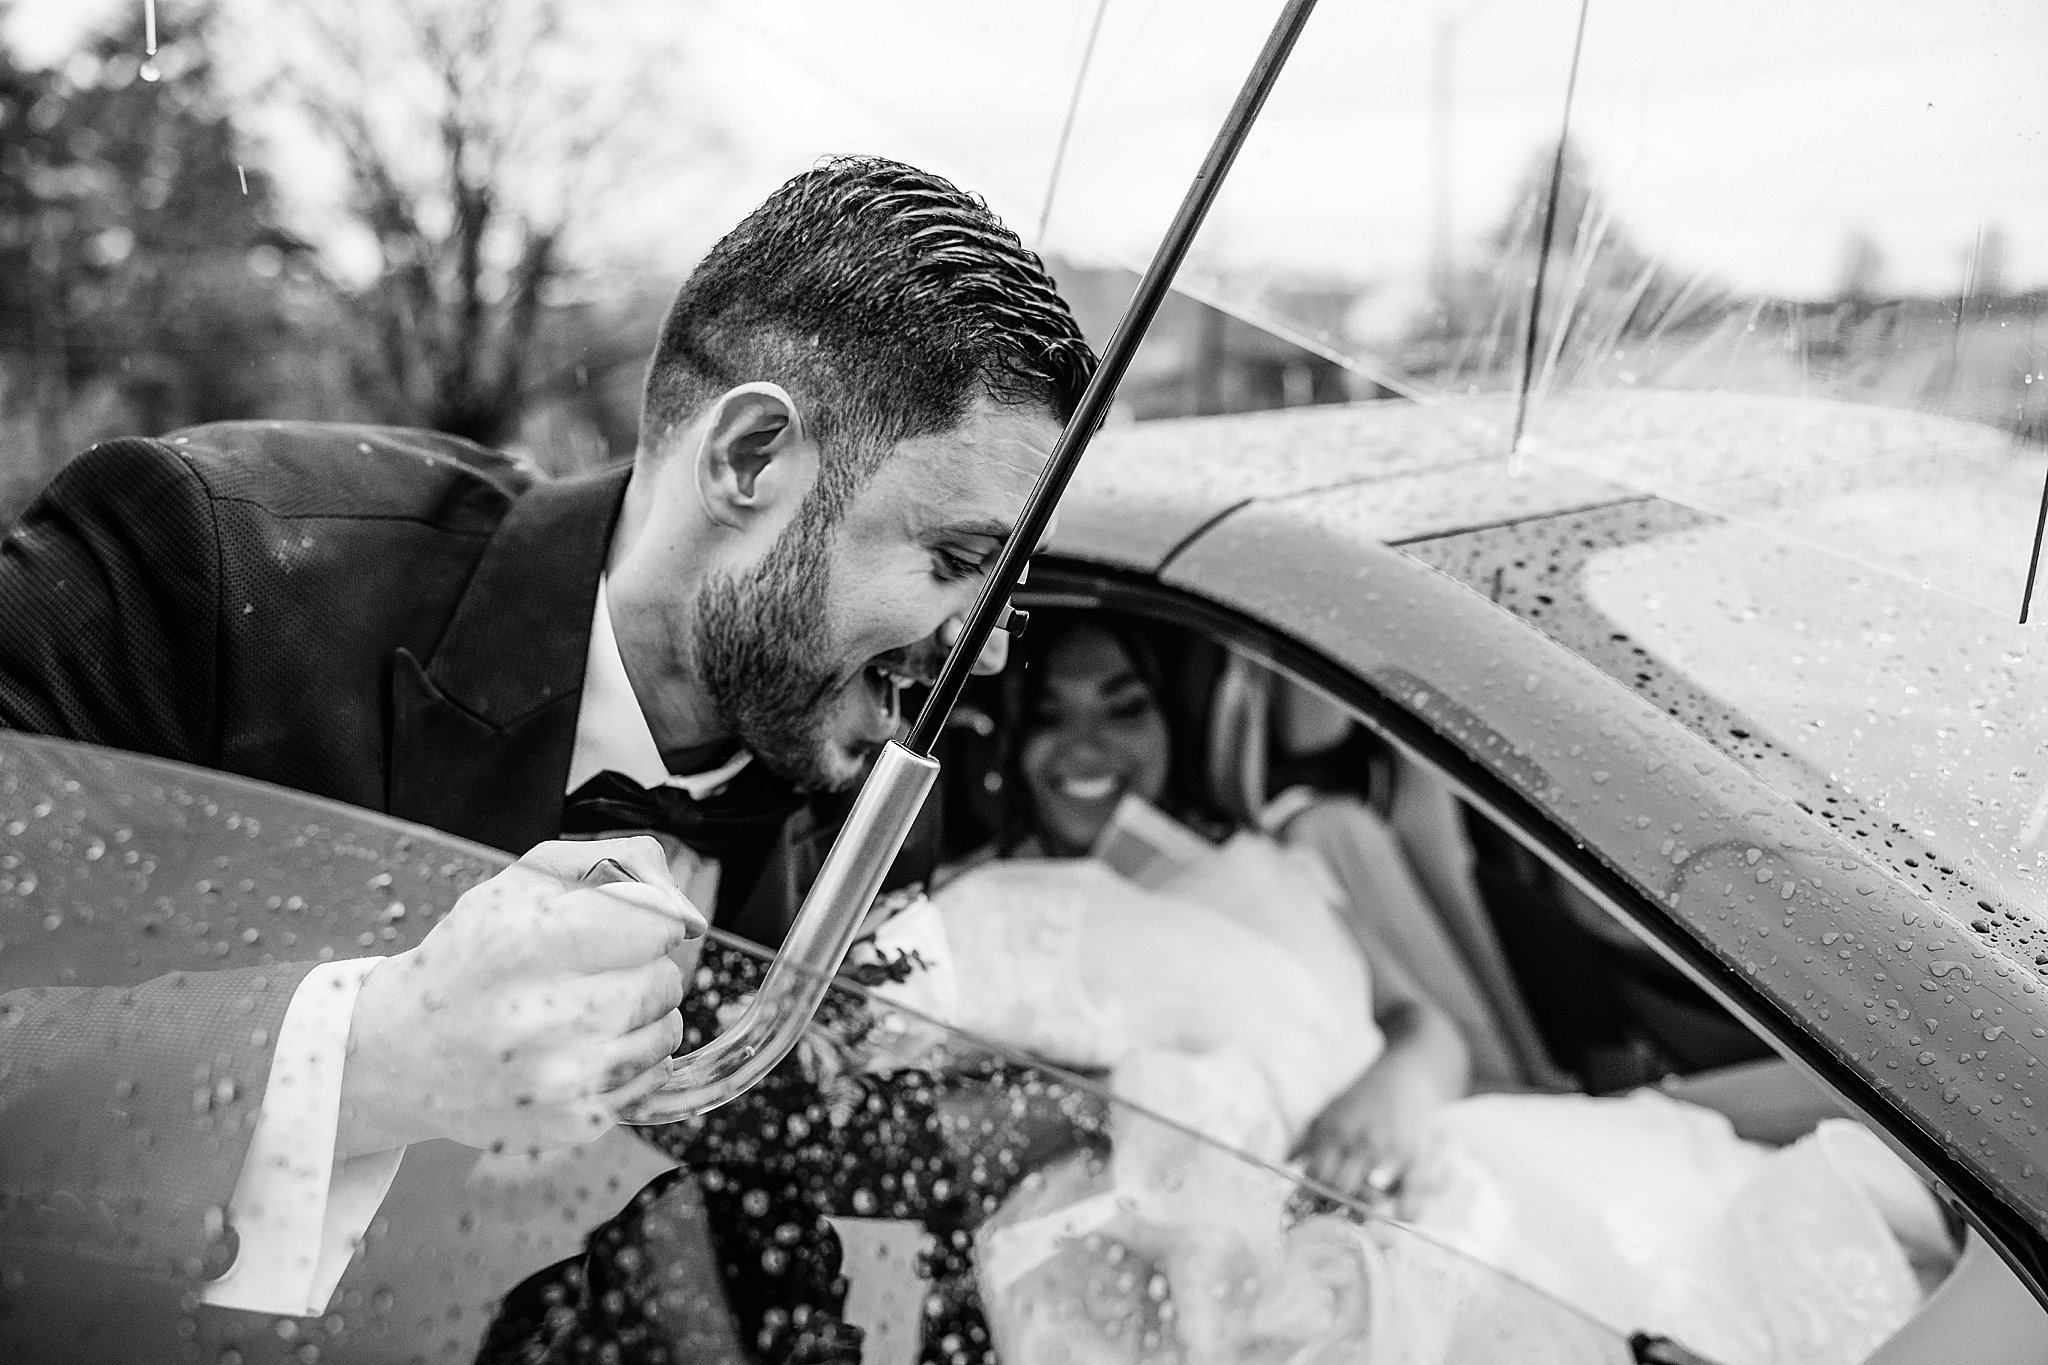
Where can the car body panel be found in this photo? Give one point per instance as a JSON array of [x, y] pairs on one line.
[[1147, 488], [135, 867]]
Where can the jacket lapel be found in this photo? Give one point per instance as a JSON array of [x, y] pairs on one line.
[[482, 733]]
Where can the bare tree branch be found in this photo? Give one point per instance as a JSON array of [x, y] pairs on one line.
[[479, 138]]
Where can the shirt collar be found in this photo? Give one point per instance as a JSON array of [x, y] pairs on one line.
[[612, 734]]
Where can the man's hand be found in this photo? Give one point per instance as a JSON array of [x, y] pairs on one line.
[[530, 1013]]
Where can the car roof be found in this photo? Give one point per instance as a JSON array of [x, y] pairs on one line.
[[1180, 475], [1805, 569], [1444, 465]]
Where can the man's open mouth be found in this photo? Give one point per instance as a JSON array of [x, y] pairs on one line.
[[886, 684]]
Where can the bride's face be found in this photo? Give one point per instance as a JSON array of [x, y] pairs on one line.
[[1095, 733]]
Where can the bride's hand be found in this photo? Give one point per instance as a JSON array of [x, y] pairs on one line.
[[1368, 1136]]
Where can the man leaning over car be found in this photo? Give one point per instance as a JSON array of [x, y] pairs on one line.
[[849, 400]]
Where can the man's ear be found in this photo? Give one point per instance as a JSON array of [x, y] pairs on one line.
[[754, 453]]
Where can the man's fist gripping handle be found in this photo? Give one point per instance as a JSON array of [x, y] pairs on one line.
[[544, 1000]]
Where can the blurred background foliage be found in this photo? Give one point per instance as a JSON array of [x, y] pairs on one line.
[[152, 277]]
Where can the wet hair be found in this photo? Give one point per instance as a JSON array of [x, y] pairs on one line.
[[885, 299], [1144, 644]]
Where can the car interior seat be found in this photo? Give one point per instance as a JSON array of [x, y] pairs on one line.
[[1284, 759], [1574, 996]]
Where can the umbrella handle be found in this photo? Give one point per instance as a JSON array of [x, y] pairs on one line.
[[825, 928]]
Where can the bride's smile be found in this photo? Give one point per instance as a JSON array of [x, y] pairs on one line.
[[1095, 735]]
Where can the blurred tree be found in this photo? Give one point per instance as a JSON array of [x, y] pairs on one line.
[[480, 139], [1986, 264], [1862, 268], [1604, 297], [144, 280]]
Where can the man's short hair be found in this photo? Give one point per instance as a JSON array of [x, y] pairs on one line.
[[886, 300]]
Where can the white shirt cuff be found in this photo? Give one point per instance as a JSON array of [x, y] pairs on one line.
[[299, 1213]]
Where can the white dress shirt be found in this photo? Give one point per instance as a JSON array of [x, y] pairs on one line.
[[299, 1213], [612, 735]]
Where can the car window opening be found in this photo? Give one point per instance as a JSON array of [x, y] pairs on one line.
[[1575, 998]]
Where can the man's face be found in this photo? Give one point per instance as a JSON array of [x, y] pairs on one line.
[[804, 657]]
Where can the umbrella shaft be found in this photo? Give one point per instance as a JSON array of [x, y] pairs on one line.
[[1101, 390]]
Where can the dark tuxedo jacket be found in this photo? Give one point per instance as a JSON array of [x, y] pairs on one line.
[[395, 619]]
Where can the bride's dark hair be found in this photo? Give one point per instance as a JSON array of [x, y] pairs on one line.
[[1146, 645]]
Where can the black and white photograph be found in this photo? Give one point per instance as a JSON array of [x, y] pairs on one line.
[[964, 682]]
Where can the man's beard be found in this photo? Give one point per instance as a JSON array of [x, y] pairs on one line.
[[761, 649]]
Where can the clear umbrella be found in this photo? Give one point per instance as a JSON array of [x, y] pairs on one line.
[[1758, 201]]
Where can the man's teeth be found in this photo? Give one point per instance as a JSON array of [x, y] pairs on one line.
[[1087, 788], [888, 686], [892, 677]]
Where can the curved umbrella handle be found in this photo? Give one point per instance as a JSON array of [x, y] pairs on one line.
[[825, 927]]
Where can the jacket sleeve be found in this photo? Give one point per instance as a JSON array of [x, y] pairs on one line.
[[109, 606], [124, 1111], [124, 1116]]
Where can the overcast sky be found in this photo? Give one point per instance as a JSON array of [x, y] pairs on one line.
[[1747, 138]]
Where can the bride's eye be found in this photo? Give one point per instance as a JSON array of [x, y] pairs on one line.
[[1135, 706]]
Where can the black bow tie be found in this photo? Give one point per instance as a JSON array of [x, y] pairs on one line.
[[742, 815]]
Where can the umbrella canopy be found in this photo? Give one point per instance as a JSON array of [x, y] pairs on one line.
[[1748, 201]]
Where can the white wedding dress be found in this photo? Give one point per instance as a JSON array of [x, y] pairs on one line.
[[1231, 1003]]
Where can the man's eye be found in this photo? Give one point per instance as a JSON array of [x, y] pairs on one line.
[[1133, 709], [951, 567]]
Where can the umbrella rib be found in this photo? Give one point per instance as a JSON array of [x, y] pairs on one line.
[[1549, 233], [1059, 155], [2034, 559]]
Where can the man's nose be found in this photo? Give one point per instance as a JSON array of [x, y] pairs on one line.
[[993, 655]]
